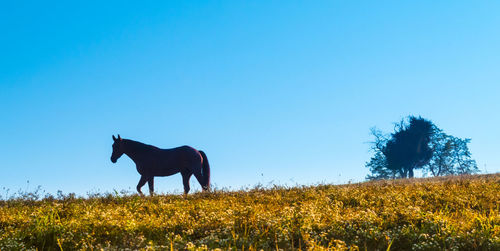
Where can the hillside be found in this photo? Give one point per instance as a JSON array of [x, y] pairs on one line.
[[452, 213]]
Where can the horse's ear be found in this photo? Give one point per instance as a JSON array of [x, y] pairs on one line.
[[119, 138], [114, 139]]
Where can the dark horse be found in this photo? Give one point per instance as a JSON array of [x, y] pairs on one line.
[[152, 161]]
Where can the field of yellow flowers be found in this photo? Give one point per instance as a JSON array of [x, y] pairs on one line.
[[451, 213]]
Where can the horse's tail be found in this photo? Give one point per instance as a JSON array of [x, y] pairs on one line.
[[205, 170]]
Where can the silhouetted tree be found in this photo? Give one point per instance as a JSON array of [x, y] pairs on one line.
[[417, 143], [451, 156], [408, 148], [378, 168]]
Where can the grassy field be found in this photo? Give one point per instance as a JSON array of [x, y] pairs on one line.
[[452, 213]]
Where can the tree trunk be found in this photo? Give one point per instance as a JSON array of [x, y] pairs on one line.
[[402, 173], [410, 173]]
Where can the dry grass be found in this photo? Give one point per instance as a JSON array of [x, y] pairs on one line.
[[452, 213]]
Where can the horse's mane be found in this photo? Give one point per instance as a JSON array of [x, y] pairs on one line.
[[137, 146]]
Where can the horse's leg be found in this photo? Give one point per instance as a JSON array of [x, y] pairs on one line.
[[185, 180], [142, 181], [151, 185], [199, 177]]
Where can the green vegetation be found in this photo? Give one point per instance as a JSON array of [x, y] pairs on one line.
[[444, 213]]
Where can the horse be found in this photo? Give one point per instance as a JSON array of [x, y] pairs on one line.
[[152, 161]]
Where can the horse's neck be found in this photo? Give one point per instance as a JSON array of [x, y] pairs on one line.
[[131, 150]]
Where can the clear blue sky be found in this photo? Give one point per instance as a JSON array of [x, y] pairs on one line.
[[281, 91]]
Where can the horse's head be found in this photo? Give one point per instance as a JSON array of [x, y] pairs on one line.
[[117, 148]]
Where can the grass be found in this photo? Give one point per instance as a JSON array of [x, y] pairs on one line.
[[450, 213]]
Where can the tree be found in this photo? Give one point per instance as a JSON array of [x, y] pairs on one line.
[[378, 168], [417, 143], [405, 150], [451, 156]]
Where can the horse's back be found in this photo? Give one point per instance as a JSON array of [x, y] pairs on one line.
[[184, 152], [174, 160]]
